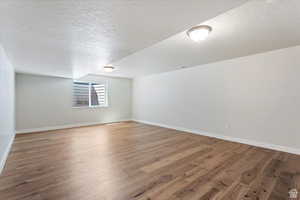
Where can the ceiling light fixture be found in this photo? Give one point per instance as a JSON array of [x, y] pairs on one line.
[[199, 33], [108, 68]]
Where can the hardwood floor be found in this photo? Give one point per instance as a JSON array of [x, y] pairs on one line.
[[132, 161]]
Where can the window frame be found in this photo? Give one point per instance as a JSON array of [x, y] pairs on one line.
[[90, 104]]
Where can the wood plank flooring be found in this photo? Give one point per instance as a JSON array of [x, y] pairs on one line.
[[132, 161]]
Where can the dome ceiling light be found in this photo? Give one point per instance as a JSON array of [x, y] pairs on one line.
[[199, 33], [108, 68]]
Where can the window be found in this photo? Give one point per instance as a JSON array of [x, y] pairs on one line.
[[97, 94], [89, 94]]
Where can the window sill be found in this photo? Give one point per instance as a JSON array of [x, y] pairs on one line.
[[85, 107]]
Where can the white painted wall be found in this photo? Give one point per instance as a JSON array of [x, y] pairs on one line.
[[254, 98], [7, 96], [44, 103]]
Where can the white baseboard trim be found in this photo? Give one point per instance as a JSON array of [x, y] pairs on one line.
[[5, 155], [51, 128], [228, 138]]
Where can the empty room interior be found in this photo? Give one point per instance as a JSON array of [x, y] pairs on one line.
[[149, 100]]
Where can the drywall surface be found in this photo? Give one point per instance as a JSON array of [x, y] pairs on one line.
[[7, 95], [254, 98], [44, 103], [71, 38]]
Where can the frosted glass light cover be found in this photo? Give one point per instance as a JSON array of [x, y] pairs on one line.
[[199, 33]]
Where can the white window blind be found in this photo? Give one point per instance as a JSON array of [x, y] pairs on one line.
[[98, 94], [89, 94], [80, 94]]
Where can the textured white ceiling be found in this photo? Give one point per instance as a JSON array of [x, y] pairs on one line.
[[75, 37], [256, 26]]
